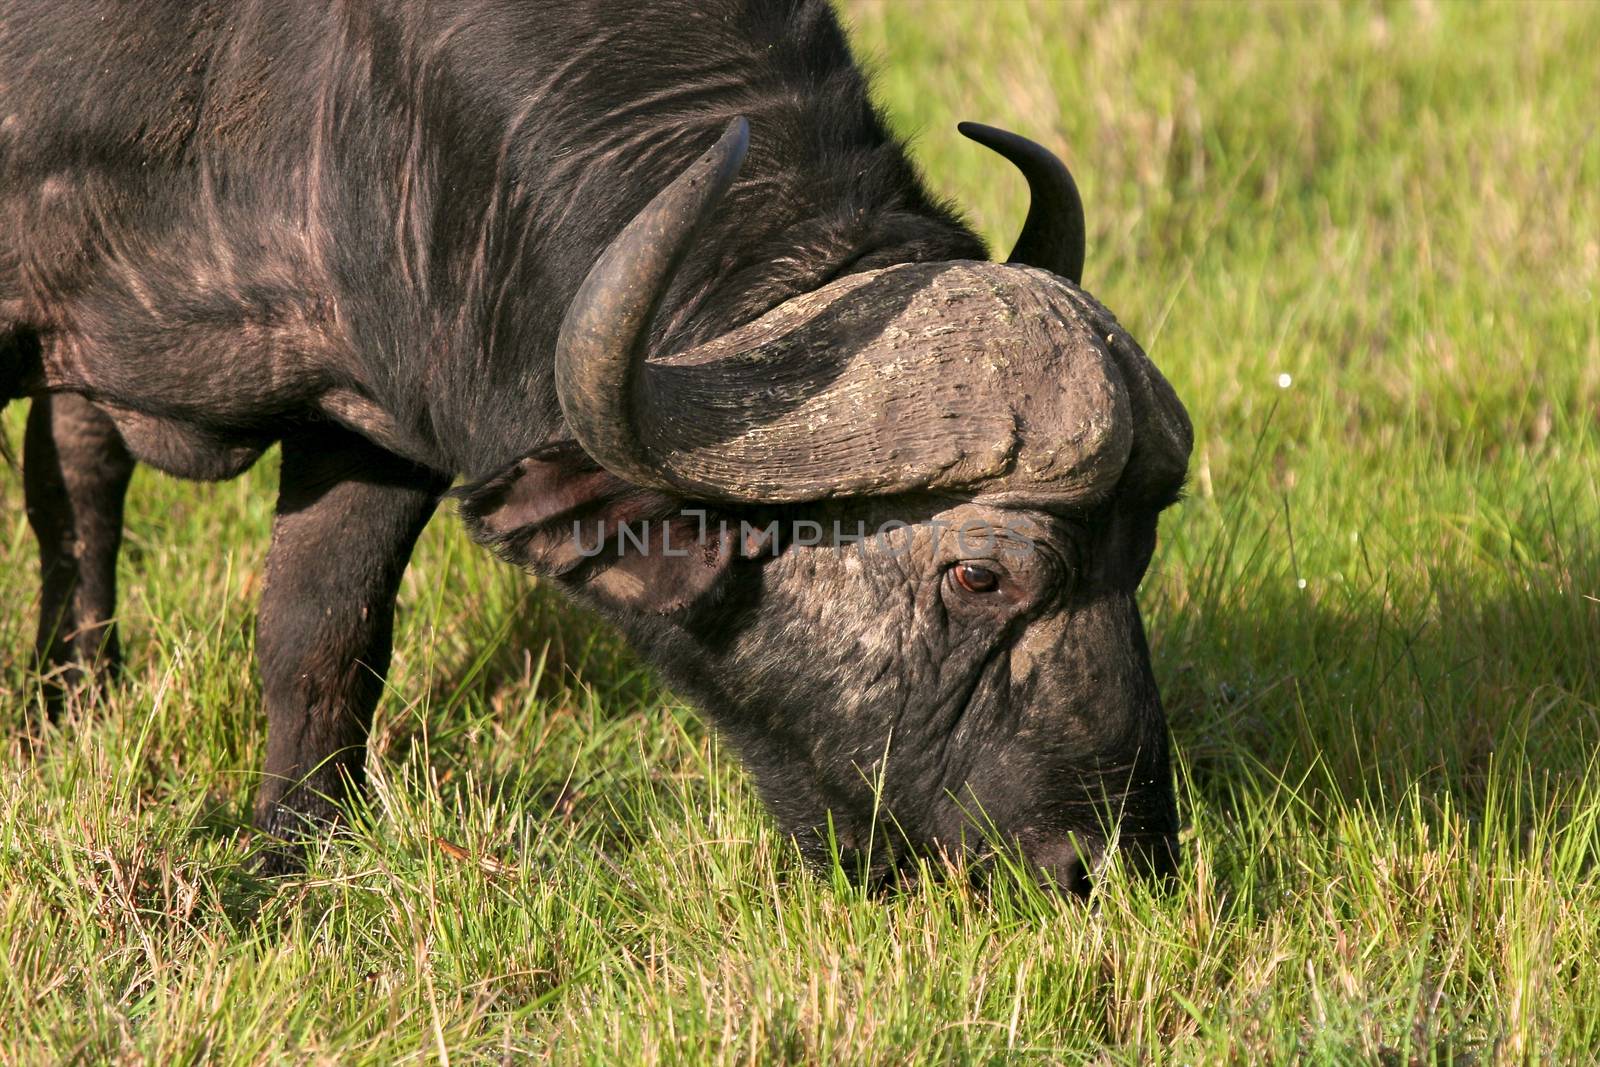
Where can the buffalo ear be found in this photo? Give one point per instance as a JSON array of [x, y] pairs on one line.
[[560, 515]]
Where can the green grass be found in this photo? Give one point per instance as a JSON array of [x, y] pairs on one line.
[[1375, 621]]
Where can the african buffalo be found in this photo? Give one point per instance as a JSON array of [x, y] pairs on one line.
[[653, 269]]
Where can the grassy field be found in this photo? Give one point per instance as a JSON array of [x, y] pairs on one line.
[[1364, 244]]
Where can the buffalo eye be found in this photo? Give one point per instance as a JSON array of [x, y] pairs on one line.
[[976, 578]]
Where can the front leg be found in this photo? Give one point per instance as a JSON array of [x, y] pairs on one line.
[[348, 516]]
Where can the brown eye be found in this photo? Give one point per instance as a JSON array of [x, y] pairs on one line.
[[975, 578]]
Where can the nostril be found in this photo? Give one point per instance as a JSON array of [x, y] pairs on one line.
[[1067, 863], [1072, 877]]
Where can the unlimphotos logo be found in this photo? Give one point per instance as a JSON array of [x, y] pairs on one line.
[[893, 537]]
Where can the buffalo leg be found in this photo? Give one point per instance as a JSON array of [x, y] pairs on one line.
[[75, 477], [348, 516]]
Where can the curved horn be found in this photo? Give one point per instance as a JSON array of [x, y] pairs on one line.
[[911, 378], [607, 326], [1053, 235]]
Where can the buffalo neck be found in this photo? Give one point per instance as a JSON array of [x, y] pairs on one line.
[[527, 149]]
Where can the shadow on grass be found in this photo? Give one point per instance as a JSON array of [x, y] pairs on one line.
[[1363, 694], [553, 647]]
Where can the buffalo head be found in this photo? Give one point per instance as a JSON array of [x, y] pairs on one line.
[[888, 533]]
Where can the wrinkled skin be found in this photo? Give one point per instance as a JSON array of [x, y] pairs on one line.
[[876, 699], [1026, 713]]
